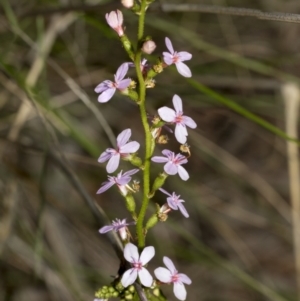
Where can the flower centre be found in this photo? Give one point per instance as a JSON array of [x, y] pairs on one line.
[[175, 57], [138, 265], [178, 118], [175, 278]]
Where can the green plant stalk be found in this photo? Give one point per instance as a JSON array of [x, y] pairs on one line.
[[148, 137]]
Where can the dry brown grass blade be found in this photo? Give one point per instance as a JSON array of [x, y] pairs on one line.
[[291, 98]]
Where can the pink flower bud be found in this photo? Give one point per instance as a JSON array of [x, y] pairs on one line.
[[127, 3], [115, 21], [148, 47]]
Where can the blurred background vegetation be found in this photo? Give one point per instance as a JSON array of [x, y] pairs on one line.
[[238, 242]]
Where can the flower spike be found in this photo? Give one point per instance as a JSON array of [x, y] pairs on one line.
[[177, 58], [108, 88]]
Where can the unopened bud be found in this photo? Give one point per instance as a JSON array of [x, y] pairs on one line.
[[127, 3], [148, 47]]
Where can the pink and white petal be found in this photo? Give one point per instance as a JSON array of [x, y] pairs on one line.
[[181, 159], [184, 278], [145, 277], [184, 55], [159, 159], [123, 84], [169, 264], [129, 277], [112, 19], [189, 122], [183, 69], [180, 133], [106, 229], [124, 180], [147, 255], [105, 156], [123, 137], [131, 253], [105, 186], [130, 147], [168, 153], [179, 291], [168, 58], [165, 192], [121, 72], [166, 114], [183, 174], [163, 275], [120, 17], [170, 168], [113, 163], [106, 95], [183, 210], [177, 103], [169, 45]]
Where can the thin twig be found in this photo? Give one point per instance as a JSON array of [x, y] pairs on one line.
[[234, 11]]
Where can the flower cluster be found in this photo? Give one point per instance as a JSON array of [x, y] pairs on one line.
[[127, 150]]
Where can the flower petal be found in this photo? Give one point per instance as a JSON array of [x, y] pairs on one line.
[[177, 103], [180, 133], [113, 163], [183, 69], [168, 58], [121, 72], [184, 55], [172, 204], [107, 84], [145, 277], [131, 172], [183, 210], [179, 291], [165, 192], [106, 229], [169, 45], [189, 122], [106, 95], [105, 156], [183, 174], [123, 84], [129, 277], [159, 159], [130, 147], [168, 153], [170, 168], [123, 137], [169, 264], [106, 185], [147, 255], [166, 114], [184, 278], [163, 275], [131, 253]]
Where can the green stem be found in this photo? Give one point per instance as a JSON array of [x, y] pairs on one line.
[[148, 137]]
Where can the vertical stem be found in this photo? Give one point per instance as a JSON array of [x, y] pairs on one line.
[[148, 137]]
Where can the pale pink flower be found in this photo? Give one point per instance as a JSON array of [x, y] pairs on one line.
[[127, 3], [121, 180], [117, 226], [171, 275], [137, 262], [175, 203], [177, 117], [174, 57], [108, 88], [148, 47], [115, 20], [123, 150], [173, 163]]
